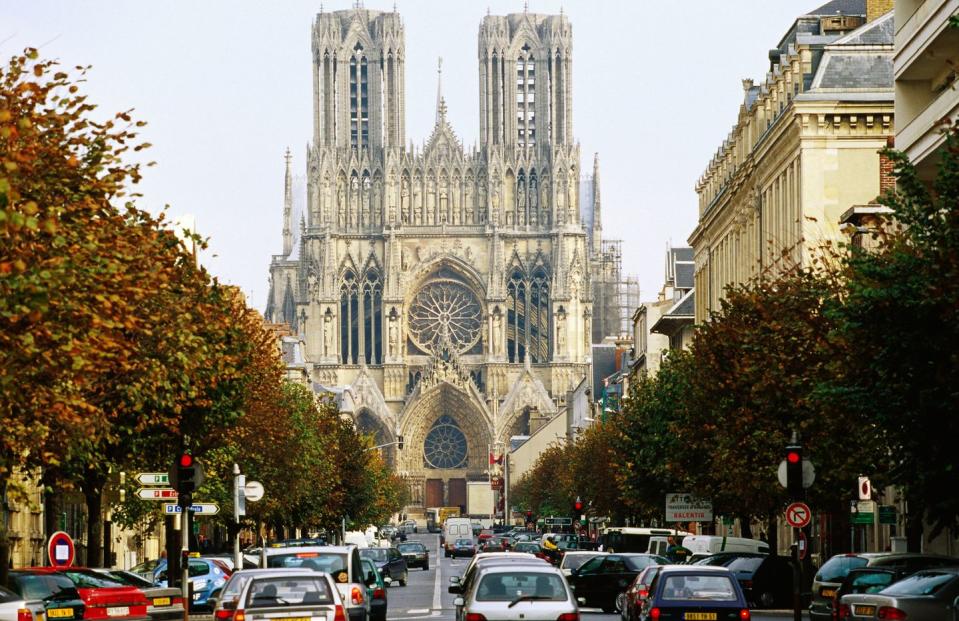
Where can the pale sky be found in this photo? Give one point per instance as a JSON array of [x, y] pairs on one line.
[[226, 86]]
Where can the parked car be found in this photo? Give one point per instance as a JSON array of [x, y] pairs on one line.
[[342, 563], [13, 607], [695, 592], [302, 595], [164, 603], [101, 597], [574, 558], [463, 547], [926, 594], [600, 579], [415, 553], [408, 527], [375, 589], [389, 561], [518, 591], [631, 601], [530, 547], [205, 576], [766, 580], [145, 569], [47, 595], [866, 580], [830, 576]]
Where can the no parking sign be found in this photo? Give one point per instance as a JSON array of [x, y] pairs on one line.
[[60, 550]]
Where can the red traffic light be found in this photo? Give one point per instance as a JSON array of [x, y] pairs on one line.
[[186, 460], [578, 505], [793, 457]]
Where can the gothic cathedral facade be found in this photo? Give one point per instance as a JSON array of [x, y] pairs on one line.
[[444, 293]]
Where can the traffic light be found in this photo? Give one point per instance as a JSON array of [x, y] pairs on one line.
[[794, 471], [529, 517], [188, 473], [577, 508]]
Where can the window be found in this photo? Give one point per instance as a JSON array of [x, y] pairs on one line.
[[359, 99], [707, 588], [923, 583], [349, 319], [284, 592], [445, 446], [527, 319], [509, 586], [361, 315]]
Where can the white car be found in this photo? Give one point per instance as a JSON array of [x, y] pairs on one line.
[[305, 594], [518, 591], [13, 607]]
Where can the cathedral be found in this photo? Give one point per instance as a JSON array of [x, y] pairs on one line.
[[444, 292]]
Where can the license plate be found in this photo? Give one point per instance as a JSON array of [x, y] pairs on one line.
[[297, 618], [864, 611], [118, 611], [830, 593], [700, 616], [161, 601], [60, 613]]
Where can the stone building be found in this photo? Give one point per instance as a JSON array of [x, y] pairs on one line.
[[443, 291], [804, 149]]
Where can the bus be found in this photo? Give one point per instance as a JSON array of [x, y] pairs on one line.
[[630, 539], [435, 516]]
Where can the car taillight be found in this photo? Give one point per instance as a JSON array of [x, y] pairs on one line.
[[744, 615], [890, 613], [568, 616], [339, 615], [475, 616], [654, 614], [24, 614], [643, 594], [239, 615], [379, 593], [356, 596], [843, 611], [223, 614]]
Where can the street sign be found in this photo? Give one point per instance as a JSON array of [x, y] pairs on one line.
[[688, 508], [60, 549], [153, 478], [156, 493], [253, 491], [798, 514], [559, 521], [863, 511], [887, 514], [865, 488], [808, 473], [197, 508]]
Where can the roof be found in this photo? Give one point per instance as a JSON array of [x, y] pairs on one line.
[[680, 315], [880, 31], [846, 7]]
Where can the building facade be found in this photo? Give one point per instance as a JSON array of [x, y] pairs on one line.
[[446, 292], [804, 149]]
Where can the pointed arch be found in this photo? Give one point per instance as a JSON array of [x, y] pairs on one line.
[[349, 316]]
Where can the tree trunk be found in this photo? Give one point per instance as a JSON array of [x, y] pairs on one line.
[[93, 495], [745, 527], [914, 523], [4, 540], [51, 504]]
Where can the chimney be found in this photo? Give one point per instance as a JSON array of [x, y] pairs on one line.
[[877, 8]]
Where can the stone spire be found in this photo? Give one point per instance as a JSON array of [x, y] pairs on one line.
[[288, 209], [440, 102], [597, 240]]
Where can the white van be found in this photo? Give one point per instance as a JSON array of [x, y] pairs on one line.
[[704, 545], [455, 528], [636, 539]]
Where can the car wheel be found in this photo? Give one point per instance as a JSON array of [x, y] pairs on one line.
[[426, 567], [766, 600], [621, 603], [406, 577]]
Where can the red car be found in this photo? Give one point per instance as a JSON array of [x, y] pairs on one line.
[[103, 597]]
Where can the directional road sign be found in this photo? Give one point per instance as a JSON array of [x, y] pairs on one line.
[[60, 550], [798, 514], [153, 478], [199, 508], [157, 493]]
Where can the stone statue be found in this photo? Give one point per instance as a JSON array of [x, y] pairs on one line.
[[497, 332], [328, 335], [394, 338], [561, 337]]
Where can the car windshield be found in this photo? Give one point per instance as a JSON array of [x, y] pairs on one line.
[[464, 542], [838, 567], [745, 564], [129, 579], [574, 561], [870, 582], [279, 592], [376, 554], [7, 596], [509, 586], [412, 547], [923, 583], [145, 567], [691, 587], [330, 562], [234, 586], [90, 580], [637, 563]]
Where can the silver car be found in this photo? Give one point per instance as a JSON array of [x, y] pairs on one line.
[[928, 594], [305, 596], [14, 608], [518, 591]]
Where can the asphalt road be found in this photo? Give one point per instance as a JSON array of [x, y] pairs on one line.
[[425, 595]]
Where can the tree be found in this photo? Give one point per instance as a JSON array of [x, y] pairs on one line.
[[547, 488]]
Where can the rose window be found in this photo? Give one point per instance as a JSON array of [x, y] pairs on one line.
[[445, 306], [445, 445]]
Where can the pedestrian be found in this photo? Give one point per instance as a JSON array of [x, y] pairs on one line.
[[675, 552]]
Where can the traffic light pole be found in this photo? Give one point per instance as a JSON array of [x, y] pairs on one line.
[[185, 526]]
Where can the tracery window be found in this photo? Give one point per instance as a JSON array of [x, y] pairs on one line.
[[528, 317], [361, 318], [445, 446], [359, 109], [525, 97], [445, 306]]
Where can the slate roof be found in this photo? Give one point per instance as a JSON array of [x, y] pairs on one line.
[[684, 275], [856, 71], [881, 31], [685, 307]]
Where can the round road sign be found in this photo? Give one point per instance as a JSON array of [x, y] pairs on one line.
[[60, 550], [253, 491], [798, 514]]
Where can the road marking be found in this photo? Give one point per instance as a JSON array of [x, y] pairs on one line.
[[418, 611], [437, 604]]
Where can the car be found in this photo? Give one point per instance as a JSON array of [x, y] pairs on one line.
[[145, 569], [100, 596], [926, 594], [375, 589], [224, 600], [415, 553], [47, 595], [389, 561], [695, 592], [530, 547], [766, 580], [164, 603], [205, 576], [230, 563], [13, 607], [601, 579], [462, 584], [866, 580], [463, 547], [408, 527], [455, 528], [341, 562], [720, 559], [299, 595], [574, 558], [630, 603], [829, 578], [518, 591]]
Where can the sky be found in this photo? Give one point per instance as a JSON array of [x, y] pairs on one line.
[[226, 87]]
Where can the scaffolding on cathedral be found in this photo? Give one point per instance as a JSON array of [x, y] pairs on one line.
[[614, 295]]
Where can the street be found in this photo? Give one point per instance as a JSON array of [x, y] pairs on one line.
[[425, 595]]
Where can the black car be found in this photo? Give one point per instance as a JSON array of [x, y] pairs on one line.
[[601, 579], [463, 547], [415, 553], [389, 561], [766, 579]]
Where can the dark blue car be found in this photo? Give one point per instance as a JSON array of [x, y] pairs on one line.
[[695, 593]]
